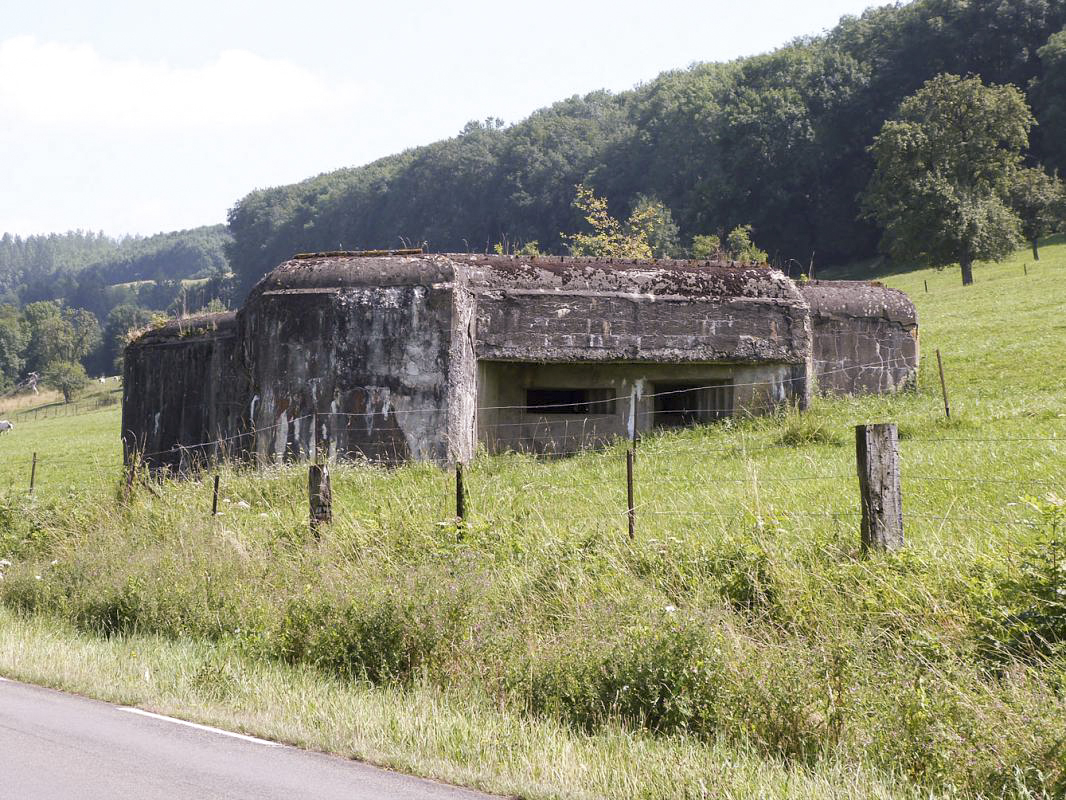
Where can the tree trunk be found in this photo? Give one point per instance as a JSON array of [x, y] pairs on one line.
[[967, 271], [1036, 253]]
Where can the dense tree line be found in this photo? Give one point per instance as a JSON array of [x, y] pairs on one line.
[[778, 142], [94, 271], [68, 300]]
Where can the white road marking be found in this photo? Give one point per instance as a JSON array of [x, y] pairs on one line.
[[207, 728]]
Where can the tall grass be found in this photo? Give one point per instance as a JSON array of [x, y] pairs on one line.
[[742, 616]]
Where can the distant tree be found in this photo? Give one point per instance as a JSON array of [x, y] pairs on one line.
[[120, 322], [12, 343], [67, 376], [84, 333], [57, 334], [45, 332], [742, 248], [705, 246], [944, 170], [1050, 100], [1038, 199]]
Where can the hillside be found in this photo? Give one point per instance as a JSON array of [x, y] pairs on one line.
[[777, 140], [88, 270], [740, 641]]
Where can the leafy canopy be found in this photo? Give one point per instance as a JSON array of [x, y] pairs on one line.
[[67, 376], [1040, 202], [944, 171]]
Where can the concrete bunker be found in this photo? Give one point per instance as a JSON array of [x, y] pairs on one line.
[[407, 356], [865, 336], [182, 393]]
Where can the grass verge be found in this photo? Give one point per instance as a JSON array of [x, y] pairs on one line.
[[424, 731]]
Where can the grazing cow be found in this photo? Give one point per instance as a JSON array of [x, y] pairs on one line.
[[6, 426]]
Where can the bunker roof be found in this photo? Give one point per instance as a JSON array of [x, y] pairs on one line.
[[549, 274], [220, 323], [859, 299]]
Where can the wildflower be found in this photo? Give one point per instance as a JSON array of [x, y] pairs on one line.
[[242, 504], [670, 609], [37, 577], [4, 563]]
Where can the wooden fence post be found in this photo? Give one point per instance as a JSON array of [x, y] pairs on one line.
[[33, 471], [633, 411], [927, 287], [320, 495], [943, 385], [214, 499], [631, 506], [460, 492], [877, 460]]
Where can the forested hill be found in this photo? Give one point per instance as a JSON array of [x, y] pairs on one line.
[[778, 141], [85, 269]]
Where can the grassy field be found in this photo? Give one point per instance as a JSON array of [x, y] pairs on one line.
[[739, 646]]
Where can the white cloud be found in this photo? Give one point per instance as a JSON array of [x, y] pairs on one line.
[[50, 83]]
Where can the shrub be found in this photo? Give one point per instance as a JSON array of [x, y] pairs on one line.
[[1026, 618]]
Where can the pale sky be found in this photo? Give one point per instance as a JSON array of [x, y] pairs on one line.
[[135, 116]]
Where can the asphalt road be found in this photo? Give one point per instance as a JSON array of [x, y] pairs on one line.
[[56, 746]]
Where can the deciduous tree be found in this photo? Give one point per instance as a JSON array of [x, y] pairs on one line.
[[67, 376], [944, 171], [1038, 199]]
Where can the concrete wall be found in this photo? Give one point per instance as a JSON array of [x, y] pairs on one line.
[[581, 310], [865, 337], [182, 393], [370, 364]]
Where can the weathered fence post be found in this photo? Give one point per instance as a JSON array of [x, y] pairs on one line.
[[320, 495], [631, 506], [460, 492], [926, 287], [943, 385], [877, 460], [633, 413], [33, 471], [214, 499]]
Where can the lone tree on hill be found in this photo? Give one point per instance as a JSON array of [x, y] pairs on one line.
[[67, 376], [1040, 201], [944, 172]]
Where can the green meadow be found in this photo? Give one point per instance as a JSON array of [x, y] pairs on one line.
[[739, 646]]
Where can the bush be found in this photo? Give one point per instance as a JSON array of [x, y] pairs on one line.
[[1026, 617]]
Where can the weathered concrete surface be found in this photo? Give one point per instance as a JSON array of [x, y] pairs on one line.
[[547, 310], [383, 351], [182, 392], [359, 371], [411, 356], [865, 336]]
